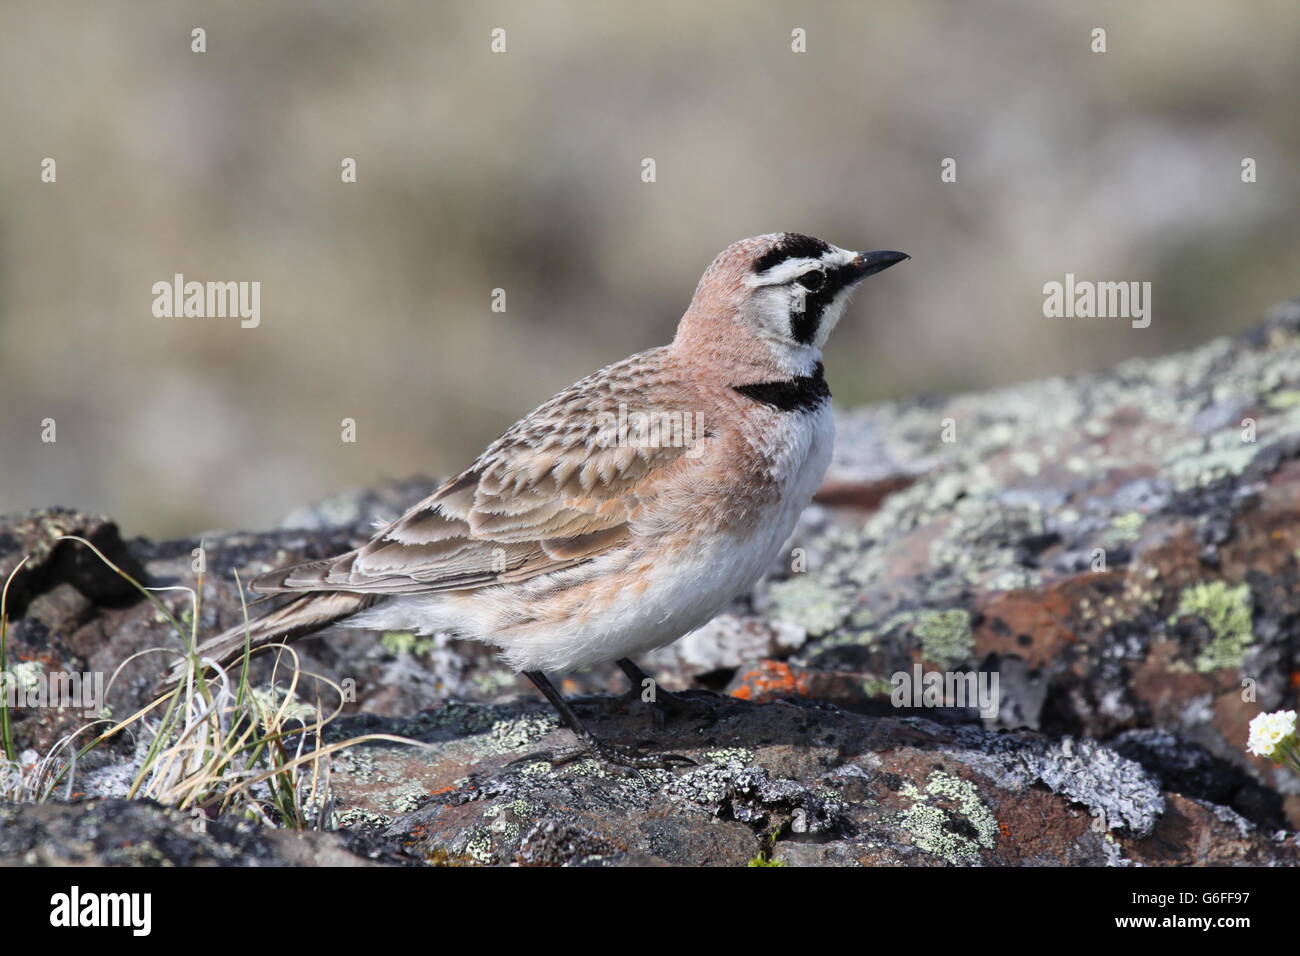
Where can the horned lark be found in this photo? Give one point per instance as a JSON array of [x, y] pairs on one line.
[[626, 511]]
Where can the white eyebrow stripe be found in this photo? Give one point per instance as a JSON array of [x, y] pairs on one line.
[[784, 272]]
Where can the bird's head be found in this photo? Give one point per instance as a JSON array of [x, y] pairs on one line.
[[776, 297]]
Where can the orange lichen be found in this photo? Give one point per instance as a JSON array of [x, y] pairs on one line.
[[771, 679]]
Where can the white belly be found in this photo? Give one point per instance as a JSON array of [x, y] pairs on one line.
[[692, 589], [678, 594]]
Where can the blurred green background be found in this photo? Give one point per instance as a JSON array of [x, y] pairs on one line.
[[522, 171]]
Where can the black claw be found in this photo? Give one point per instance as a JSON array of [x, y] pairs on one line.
[[609, 754], [637, 760]]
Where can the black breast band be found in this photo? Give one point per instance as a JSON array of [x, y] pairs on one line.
[[801, 394]]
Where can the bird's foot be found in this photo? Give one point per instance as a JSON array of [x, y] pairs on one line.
[[612, 755]]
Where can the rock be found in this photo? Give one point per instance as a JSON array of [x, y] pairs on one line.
[[1190, 769], [40, 539], [1119, 550], [1123, 551], [797, 783], [142, 833]]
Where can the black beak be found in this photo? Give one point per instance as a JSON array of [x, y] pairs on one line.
[[869, 263]]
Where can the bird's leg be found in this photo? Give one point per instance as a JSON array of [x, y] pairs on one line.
[[663, 701], [593, 745]]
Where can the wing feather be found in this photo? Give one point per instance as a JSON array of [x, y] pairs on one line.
[[558, 489]]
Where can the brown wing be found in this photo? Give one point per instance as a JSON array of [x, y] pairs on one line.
[[557, 489]]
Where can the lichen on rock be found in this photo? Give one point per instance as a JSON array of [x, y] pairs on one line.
[[1121, 549]]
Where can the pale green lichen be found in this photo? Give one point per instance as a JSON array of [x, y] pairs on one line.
[[501, 825], [26, 675], [356, 763], [404, 642], [1203, 461], [945, 636], [594, 769], [478, 846], [809, 602], [712, 780], [1227, 612], [519, 809], [355, 815], [861, 619], [931, 826], [982, 506], [515, 732], [978, 546], [1284, 399], [875, 687], [405, 798], [729, 755], [1126, 527], [493, 681], [1142, 592]]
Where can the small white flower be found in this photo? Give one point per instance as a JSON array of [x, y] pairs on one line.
[[1271, 735]]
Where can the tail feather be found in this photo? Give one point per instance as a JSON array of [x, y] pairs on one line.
[[298, 618]]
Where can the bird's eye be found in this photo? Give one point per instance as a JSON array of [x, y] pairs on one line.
[[812, 281]]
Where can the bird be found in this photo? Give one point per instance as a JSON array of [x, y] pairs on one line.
[[622, 514]]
